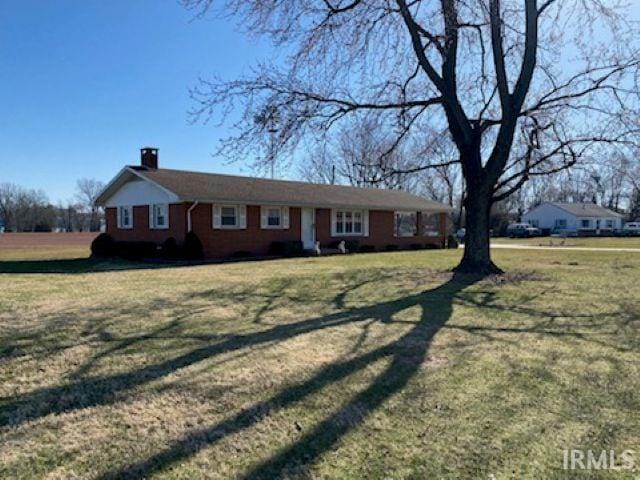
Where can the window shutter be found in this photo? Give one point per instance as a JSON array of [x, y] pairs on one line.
[[242, 213], [365, 223], [263, 217], [152, 211], [333, 223], [285, 217], [217, 214]]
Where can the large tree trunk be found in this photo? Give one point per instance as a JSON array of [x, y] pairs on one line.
[[477, 255]]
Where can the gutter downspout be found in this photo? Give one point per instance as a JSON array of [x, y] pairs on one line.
[[195, 204]]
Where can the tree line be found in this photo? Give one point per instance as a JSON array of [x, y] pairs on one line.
[[30, 210], [610, 177]]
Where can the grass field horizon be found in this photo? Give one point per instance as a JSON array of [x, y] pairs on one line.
[[359, 366]]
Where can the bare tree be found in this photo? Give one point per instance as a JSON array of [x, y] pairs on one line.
[[8, 199], [25, 210], [523, 88], [361, 154], [87, 191]]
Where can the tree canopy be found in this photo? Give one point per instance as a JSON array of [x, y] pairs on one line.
[[520, 88]]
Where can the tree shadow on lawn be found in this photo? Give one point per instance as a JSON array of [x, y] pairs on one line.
[[406, 355]]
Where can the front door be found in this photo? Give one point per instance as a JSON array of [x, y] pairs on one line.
[[308, 228]]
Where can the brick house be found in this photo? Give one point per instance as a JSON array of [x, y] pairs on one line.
[[232, 213]]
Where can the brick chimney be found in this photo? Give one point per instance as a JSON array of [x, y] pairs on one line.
[[149, 157]]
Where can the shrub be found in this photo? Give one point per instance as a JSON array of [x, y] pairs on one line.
[[169, 248], [286, 248], [391, 247], [367, 248], [192, 247], [135, 250], [452, 242], [431, 246], [103, 246], [277, 248], [416, 246], [352, 245]]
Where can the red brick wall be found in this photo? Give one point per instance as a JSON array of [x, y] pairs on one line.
[[223, 243], [381, 231], [141, 230]]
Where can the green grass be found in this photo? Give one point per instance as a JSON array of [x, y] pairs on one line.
[[364, 366], [591, 242]]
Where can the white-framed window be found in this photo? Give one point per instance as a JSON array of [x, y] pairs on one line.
[[274, 217], [560, 224], [125, 217], [609, 223], [585, 223], [349, 223], [406, 224], [159, 216], [430, 224], [229, 216]]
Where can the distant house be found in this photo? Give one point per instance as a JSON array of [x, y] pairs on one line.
[[573, 218], [232, 214]]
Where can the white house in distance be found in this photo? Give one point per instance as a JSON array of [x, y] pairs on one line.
[[573, 218]]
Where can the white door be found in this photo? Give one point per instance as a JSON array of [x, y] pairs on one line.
[[308, 227]]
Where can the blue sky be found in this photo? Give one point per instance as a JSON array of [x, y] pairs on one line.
[[85, 84]]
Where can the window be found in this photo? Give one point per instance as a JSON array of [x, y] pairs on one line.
[[560, 224], [125, 217], [229, 216], [585, 223], [430, 224], [534, 222], [349, 222], [274, 217], [159, 216], [406, 224], [609, 223]]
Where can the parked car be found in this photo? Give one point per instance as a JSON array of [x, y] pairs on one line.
[[631, 228], [521, 230]]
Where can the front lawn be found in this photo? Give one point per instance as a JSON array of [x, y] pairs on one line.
[[362, 366]]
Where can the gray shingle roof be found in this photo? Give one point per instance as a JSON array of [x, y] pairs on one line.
[[586, 209], [210, 187]]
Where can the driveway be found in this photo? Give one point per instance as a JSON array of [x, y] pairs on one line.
[[579, 249]]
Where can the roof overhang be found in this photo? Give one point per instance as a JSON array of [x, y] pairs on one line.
[[249, 201]]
